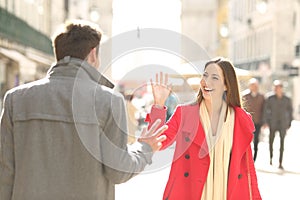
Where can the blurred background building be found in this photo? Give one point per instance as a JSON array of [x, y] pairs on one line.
[[26, 27], [262, 37], [25, 45], [199, 22]]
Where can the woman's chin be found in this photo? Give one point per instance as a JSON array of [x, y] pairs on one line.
[[207, 96]]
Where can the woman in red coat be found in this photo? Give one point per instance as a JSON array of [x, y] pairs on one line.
[[213, 157]]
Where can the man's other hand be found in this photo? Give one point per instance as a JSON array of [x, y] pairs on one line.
[[154, 136]]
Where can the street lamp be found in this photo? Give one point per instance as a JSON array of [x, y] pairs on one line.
[[224, 31], [94, 14], [261, 6]]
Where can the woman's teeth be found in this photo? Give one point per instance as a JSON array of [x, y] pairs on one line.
[[208, 89]]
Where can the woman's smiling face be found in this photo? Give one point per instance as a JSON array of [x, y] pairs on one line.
[[212, 83]]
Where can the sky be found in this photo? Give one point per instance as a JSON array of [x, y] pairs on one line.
[[136, 15]]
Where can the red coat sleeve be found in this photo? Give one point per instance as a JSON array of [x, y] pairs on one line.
[[173, 123]]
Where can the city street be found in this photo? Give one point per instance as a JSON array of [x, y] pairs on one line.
[[273, 183], [64, 66]]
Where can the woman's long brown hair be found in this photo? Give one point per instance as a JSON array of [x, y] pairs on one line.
[[232, 95]]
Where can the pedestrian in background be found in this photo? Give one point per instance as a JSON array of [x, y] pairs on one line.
[[254, 104], [65, 136], [171, 104], [213, 156], [278, 115]]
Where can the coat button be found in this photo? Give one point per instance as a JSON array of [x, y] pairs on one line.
[[187, 156], [239, 176], [187, 139], [186, 174]]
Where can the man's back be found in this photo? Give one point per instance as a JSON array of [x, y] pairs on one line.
[[50, 157], [278, 112], [65, 136], [62, 131], [254, 105]]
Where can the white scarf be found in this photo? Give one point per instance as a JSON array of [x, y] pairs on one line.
[[219, 148]]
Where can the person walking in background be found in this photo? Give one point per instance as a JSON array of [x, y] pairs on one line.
[[65, 136], [213, 156], [171, 104], [278, 115], [254, 104]]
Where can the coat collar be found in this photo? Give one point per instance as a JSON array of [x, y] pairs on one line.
[[74, 67]]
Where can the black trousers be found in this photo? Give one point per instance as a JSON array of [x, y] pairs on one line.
[[282, 133], [256, 139]]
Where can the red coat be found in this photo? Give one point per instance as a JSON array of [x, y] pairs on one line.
[[191, 159]]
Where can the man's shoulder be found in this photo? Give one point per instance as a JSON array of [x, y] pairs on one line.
[[27, 86], [105, 94], [106, 91], [286, 97], [246, 93], [270, 95]]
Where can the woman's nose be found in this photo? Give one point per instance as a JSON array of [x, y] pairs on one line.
[[204, 81]]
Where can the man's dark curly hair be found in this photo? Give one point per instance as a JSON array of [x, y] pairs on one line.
[[77, 40]]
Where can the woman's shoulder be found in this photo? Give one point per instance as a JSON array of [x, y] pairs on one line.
[[188, 106], [242, 115], [191, 104], [241, 111]]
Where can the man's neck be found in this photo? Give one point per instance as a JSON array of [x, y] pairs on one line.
[[279, 96]]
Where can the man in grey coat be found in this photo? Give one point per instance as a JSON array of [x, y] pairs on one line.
[[64, 136], [278, 115]]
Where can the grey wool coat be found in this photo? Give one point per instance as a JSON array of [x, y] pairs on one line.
[[64, 137]]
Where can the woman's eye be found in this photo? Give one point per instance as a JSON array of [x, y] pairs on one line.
[[215, 78]]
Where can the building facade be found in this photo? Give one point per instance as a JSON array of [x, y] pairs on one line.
[[26, 28], [264, 38], [199, 23], [25, 45]]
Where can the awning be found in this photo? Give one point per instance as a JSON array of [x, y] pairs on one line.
[[242, 72]]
